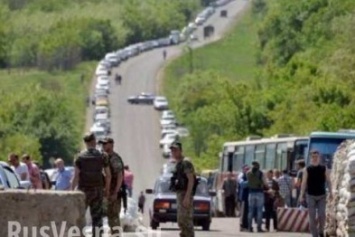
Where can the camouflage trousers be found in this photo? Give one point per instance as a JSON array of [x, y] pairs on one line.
[[94, 200], [113, 215], [185, 216]]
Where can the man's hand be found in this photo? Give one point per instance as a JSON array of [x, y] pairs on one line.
[[113, 196], [302, 199], [330, 196], [107, 193], [186, 202]]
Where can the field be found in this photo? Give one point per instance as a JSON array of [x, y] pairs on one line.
[[233, 57]]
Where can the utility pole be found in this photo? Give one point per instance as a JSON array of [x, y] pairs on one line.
[[191, 62]]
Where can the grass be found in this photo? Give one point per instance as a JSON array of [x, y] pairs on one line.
[[233, 57]]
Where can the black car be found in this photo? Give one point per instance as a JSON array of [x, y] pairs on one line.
[[163, 207], [143, 98]]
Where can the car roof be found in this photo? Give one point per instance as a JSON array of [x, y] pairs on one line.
[[167, 176], [97, 128], [3, 163], [101, 107]]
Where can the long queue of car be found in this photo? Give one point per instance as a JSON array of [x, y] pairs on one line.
[[100, 99]]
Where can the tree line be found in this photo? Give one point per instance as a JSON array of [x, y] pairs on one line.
[[306, 57], [59, 34], [47, 50]]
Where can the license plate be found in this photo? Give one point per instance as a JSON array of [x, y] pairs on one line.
[[162, 211], [173, 206]]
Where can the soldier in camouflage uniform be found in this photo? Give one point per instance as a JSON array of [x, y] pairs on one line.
[[89, 165], [184, 197], [114, 201]]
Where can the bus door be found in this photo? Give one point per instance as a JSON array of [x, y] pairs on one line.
[[281, 156], [238, 159]]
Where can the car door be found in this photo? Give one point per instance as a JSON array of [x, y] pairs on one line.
[[11, 178]]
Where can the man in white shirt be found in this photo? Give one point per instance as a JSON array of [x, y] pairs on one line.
[[20, 168]]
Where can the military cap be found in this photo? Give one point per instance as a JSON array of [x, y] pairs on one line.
[[106, 140], [177, 145], [88, 137]]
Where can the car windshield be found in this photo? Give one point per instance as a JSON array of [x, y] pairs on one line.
[[168, 118], [99, 133], [326, 147], [202, 188]]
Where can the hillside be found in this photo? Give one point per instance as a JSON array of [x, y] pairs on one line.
[[48, 50], [286, 67]]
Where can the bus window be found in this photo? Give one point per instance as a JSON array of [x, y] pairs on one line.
[[260, 154], [300, 149], [326, 147], [238, 159], [270, 156], [281, 156], [300, 152], [249, 154]]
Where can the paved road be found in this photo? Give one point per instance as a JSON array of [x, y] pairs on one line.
[[136, 128]]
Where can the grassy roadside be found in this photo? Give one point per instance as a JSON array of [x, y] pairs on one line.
[[233, 57]]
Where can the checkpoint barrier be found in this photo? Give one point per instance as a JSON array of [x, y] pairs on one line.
[[292, 220]]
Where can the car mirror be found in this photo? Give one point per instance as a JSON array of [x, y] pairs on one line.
[[149, 191], [212, 193]]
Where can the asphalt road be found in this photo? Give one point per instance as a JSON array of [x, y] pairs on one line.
[[136, 128]]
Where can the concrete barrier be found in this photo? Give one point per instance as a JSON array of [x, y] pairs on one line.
[[41, 213]]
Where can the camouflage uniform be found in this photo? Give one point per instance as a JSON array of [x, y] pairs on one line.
[[91, 163], [185, 214], [114, 206]]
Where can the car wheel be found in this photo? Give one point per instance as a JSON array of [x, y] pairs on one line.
[[154, 225], [206, 225]]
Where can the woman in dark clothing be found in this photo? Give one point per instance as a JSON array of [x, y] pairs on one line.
[[270, 211]]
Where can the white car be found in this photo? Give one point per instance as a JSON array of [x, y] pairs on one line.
[[101, 71], [101, 116], [99, 131], [102, 110], [105, 85], [167, 130], [200, 20], [192, 25], [113, 59], [105, 64], [169, 126], [9, 179], [167, 121], [166, 114], [160, 103], [166, 151], [168, 139], [103, 79]]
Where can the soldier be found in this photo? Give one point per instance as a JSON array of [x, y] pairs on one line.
[[185, 174], [114, 202], [88, 175]]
